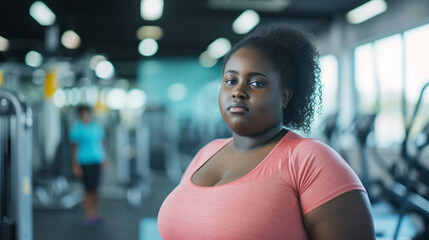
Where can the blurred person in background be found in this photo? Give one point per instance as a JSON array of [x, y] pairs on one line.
[[88, 157]]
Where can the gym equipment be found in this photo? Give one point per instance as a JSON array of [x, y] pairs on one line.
[[361, 128], [52, 188], [411, 200], [133, 165], [15, 168], [330, 127]]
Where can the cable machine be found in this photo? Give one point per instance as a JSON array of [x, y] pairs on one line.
[[15, 168]]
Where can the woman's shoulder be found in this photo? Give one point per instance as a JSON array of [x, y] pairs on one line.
[[306, 144], [303, 149]]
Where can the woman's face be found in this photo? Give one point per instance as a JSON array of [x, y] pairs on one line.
[[251, 95], [85, 116]]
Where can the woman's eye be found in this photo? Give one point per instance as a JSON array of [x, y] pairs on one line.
[[230, 81], [257, 84]]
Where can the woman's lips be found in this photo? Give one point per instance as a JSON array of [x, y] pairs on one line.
[[238, 107]]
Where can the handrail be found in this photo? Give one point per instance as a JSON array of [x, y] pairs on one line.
[[405, 152]]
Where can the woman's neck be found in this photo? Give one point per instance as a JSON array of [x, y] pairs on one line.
[[245, 143]]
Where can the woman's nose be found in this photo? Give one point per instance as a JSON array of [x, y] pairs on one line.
[[239, 91]]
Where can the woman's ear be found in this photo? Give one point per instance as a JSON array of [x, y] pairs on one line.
[[287, 95]]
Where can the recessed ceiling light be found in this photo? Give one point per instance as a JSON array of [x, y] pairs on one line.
[[4, 44], [70, 39], [151, 10], [366, 11], [42, 14], [218, 48], [148, 47], [245, 22], [153, 32]]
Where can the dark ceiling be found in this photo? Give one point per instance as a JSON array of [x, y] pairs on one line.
[[109, 26]]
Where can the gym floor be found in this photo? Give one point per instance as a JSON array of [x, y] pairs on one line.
[[119, 220]]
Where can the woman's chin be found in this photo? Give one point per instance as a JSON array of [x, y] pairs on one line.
[[244, 131]]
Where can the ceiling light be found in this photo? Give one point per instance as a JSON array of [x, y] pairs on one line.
[[60, 98], [218, 48], [105, 70], [136, 99], [4, 44], [42, 14], [258, 5], [74, 96], [366, 11], [245, 22], [116, 98], [70, 39], [33, 59], [91, 95], [206, 60], [151, 10], [148, 47], [153, 32], [95, 60]]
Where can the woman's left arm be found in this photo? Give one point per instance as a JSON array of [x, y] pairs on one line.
[[346, 217]]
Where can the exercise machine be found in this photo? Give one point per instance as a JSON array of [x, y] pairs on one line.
[[133, 163], [52, 180], [15, 168], [404, 190]]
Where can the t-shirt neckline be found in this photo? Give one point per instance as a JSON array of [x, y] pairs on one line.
[[285, 137]]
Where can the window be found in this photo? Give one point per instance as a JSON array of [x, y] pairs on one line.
[[329, 77], [378, 81], [365, 82], [417, 73]]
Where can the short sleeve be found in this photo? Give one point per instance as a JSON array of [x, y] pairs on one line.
[[320, 174]]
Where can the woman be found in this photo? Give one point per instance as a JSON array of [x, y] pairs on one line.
[[88, 155], [268, 182]]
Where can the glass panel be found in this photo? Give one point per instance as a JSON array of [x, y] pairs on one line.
[[389, 72], [329, 77], [388, 52], [417, 73], [365, 83]]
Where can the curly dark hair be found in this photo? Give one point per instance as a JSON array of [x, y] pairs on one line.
[[293, 53]]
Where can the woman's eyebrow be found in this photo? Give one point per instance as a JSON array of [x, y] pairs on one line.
[[230, 71], [258, 74], [250, 74]]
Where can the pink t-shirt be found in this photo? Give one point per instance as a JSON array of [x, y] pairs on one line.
[[297, 176]]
